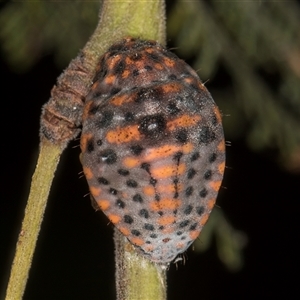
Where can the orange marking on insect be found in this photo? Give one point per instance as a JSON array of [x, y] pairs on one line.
[[158, 66], [165, 204], [103, 204], [84, 140], [189, 80], [187, 148], [166, 220], [171, 88], [204, 219], [131, 162], [86, 110], [123, 135], [113, 60], [120, 100], [180, 245], [168, 230], [215, 185], [221, 146], [95, 191], [114, 218], [149, 190], [218, 114], [168, 171], [110, 79], [221, 167], [88, 173], [137, 241], [169, 62], [128, 61], [194, 234], [183, 121], [125, 74], [124, 230], [211, 203], [161, 152], [149, 248]]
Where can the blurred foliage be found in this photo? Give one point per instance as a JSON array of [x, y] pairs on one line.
[[229, 241], [32, 29], [254, 45]]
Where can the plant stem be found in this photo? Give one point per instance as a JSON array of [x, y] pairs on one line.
[[136, 277], [37, 200]]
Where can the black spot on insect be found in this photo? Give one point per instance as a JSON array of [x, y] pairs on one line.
[[153, 181], [107, 156], [128, 219], [212, 157], [135, 232], [166, 240], [102, 180], [172, 77], [105, 119], [181, 136], [177, 156], [136, 149], [144, 213], [172, 109], [194, 226], [153, 236], [119, 68], [179, 232], [188, 210], [135, 73], [90, 146], [203, 193], [93, 109], [129, 117], [120, 203], [113, 191], [200, 210], [214, 120], [123, 172], [195, 156], [146, 167], [149, 227], [131, 183], [148, 68], [153, 56], [161, 213], [114, 91], [152, 126], [184, 223], [191, 173], [157, 197], [189, 191], [206, 135], [137, 198], [99, 142], [207, 175]]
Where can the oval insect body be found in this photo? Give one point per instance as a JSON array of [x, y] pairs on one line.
[[153, 148]]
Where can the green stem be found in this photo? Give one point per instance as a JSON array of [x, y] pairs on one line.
[[36, 204], [137, 278]]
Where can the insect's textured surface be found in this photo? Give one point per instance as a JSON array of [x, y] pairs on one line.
[[153, 149]]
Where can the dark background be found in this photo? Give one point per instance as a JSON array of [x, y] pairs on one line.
[[74, 255]]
